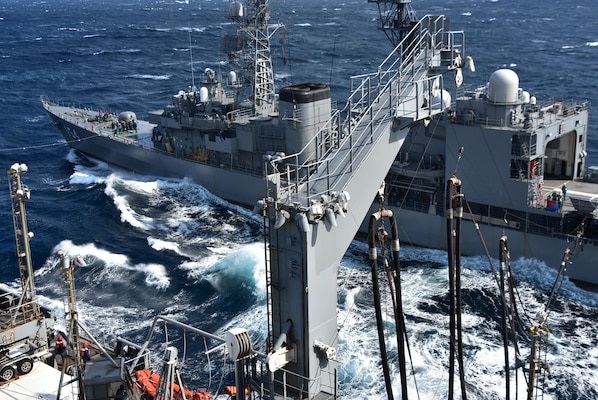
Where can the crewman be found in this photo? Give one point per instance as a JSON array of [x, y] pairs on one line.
[[60, 346], [121, 393], [85, 356]]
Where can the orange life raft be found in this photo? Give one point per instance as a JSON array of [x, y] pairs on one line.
[[148, 383]]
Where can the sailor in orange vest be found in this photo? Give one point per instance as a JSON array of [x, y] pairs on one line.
[[60, 347], [85, 356]]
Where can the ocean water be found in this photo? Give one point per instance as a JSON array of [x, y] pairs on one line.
[[159, 246]]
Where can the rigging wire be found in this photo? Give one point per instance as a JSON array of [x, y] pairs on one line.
[[504, 259], [495, 273], [514, 319], [514, 297], [41, 146], [539, 331], [61, 143], [506, 284], [378, 311], [332, 56], [282, 62], [398, 315], [394, 274], [419, 165]]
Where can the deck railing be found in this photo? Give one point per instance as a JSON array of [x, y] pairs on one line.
[[395, 90]]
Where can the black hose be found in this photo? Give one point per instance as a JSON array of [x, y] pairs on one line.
[[505, 334], [451, 278], [377, 307]]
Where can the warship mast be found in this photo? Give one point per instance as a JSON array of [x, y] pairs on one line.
[[256, 58], [396, 19]]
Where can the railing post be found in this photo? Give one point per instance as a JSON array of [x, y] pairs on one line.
[[340, 132], [328, 175], [371, 108]]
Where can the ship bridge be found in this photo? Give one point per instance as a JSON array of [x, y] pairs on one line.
[[317, 199]]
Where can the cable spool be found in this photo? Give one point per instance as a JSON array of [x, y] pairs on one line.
[[238, 344]]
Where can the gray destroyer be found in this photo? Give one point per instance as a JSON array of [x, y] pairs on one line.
[[514, 154]]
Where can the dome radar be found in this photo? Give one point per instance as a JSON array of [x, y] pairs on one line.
[[503, 87], [236, 10]]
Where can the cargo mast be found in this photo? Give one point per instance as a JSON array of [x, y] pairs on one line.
[[18, 194]]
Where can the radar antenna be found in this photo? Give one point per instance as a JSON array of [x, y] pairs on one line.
[[396, 19]]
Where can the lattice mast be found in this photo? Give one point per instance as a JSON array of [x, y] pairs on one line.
[[254, 24], [18, 194], [68, 267], [396, 19]]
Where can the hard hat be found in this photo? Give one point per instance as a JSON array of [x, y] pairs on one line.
[[59, 337], [85, 344]]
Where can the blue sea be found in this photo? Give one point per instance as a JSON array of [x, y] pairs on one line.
[[164, 246]]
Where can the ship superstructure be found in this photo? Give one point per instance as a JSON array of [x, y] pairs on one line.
[[318, 197], [523, 163]]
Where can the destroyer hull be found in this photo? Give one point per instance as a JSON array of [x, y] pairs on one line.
[[547, 249], [136, 153]]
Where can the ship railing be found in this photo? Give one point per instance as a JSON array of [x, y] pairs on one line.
[[346, 139], [20, 313], [549, 112], [564, 107], [241, 114], [472, 119], [283, 387], [81, 120], [70, 104], [295, 115], [340, 148], [352, 135], [440, 48]]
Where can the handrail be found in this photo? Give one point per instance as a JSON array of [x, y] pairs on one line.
[[392, 91], [291, 390]]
